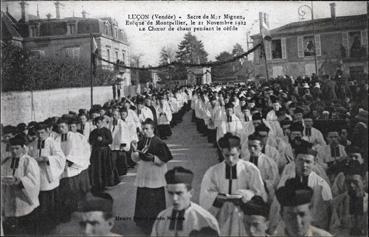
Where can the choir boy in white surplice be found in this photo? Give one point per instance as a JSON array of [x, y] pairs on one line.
[[228, 184], [331, 154], [296, 211], [350, 209], [246, 117], [256, 217], [132, 115], [302, 170], [312, 134], [115, 128], [229, 123], [75, 181], [263, 131], [128, 134], [183, 216], [7, 133], [296, 141], [51, 160], [272, 117], [211, 120], [143, 112], [268, 168], [86, 126], [20, 183], [164, 118], [257, 119]]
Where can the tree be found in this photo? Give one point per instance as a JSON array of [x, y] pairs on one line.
[[135, 62], [167, 55], [223, 70], [236, 70], [24, 71], [191, 50], [237, 50]]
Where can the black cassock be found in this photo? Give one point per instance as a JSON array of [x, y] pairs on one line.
[[151, 201], [101, 171]]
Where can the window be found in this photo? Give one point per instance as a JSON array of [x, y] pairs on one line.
[[33, 31], [37, 53], [276, 49], [72, 52], [108, 54], [116, 55], [124, 56], [107, 28], [308, 46], [72, 28], [356, 72], [355, 46]]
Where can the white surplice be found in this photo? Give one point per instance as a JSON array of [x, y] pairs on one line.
[[77, 150], [16, 200], [247, 184], [324, 155], [235, 126], [51, 171], [321, 200], [195, 218]]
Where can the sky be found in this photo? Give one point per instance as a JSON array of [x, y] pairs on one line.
[[148, 44]]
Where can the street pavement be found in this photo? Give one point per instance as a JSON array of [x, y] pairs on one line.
[[189, 149]]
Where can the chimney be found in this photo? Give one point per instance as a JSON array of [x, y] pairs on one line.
[[261, 19], [84, 13], [38, 13], [266, 19], [24, 16], [333, 11], [57, 9]]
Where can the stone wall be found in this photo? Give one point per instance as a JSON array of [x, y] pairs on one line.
[[17, 107]]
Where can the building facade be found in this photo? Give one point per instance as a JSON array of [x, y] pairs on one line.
[[70, 37], [340, 42]]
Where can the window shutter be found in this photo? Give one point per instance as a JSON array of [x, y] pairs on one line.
[[345, 42], [284, 50], [76, 53], [318, 49], [268, 49], [300, 47], [364, 38], [68, 52]]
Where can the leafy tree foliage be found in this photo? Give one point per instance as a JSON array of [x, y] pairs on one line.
[[191, 50], [237, 70], [23, 71]]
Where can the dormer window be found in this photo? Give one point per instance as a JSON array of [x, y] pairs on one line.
[[33, 31], [72, 28], [107, 28]]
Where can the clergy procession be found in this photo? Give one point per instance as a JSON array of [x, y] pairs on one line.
[[290, 160]]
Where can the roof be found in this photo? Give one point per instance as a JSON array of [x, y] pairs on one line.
[[321, 25], [53, 27], [9, 28]]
